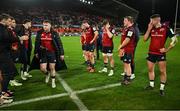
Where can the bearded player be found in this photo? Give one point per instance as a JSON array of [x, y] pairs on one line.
[[158, 34], [126, 48]]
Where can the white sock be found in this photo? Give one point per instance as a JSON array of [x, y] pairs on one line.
[[162, 85], [151, 83]]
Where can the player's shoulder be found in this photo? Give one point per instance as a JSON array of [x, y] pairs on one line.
[[132, 29]]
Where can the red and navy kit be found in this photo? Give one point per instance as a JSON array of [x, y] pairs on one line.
[[46, 42], [107, 42], [89, 33], [129, 48], [128, 33], [158, 39], [48, 50]]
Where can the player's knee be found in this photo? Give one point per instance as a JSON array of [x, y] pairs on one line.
[[163, 71], [150, 69], [43, 68]]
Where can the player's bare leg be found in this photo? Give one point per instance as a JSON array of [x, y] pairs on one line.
[[112, 66], [92, 62], [163, 76], [88, 60], [123, 73], [151, 75], [105, 58], [43, 68], [127, 76], [53, 74]]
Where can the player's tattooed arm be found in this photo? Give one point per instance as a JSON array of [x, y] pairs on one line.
[[174, 40], [147, 34], [171, 45]]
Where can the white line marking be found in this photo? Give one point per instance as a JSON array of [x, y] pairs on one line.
[[35, 100], [98, 88], [72, 94], [61, 95]]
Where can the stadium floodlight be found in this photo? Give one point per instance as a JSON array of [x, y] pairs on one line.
[[87, 2], [176, 16]]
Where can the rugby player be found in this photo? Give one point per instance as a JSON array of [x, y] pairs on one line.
[[107, 48], [126, 48], [91, 35], [158, 34]]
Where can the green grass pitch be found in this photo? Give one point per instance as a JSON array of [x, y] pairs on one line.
[[117, 98]]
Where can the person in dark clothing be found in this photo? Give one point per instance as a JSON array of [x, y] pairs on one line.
[[25, 47], [99, 43], [137, 36], [49, 49], [14, 52], [7, 65]]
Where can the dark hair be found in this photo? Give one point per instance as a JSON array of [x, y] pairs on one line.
[[4, 16], [85, 21], [155, 16], [129, 18], [47, 21], [105, 22], [26, 21], [12, 18]]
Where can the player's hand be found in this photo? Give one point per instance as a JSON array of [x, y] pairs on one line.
[[163, 50], [36, 55], [150, 25], [119, 48], [121, 52], [14, 48], [91, 42], [25, 37], [62, 57]]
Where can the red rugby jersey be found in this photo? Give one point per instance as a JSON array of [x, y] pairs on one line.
[[82, 39], [158, 39], [47, 41], [89, 33], [128, 33], [106, 41]]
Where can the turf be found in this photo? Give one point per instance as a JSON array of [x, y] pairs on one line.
[[118, 98]]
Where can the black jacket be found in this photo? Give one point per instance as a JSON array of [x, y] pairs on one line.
[[60, 64], [56, 42], [6, 40], [20, 31]]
